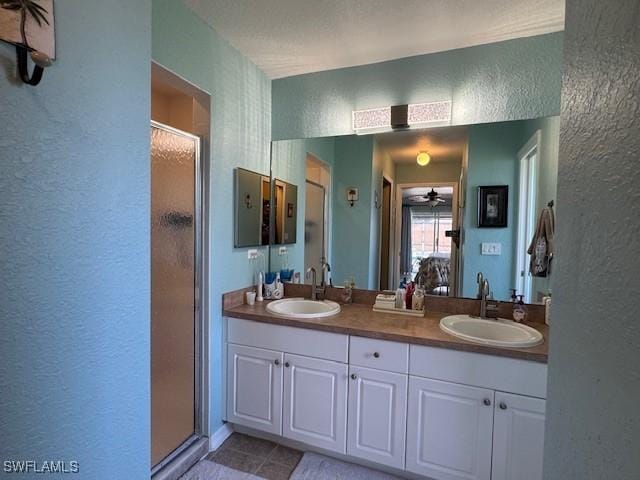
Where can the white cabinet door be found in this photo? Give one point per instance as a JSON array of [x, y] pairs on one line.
[[518, 437], [315, 402], [254, 388], [377, 416], [449, 431]]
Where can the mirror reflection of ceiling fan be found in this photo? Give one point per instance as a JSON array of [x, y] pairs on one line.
[[432, 199]]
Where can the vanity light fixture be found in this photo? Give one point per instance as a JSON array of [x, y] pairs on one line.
[[423, 159], [385, 119], [352, 195]]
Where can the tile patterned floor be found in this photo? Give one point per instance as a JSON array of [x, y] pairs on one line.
[[257, 456]]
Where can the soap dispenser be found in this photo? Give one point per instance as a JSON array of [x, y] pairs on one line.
[[519, 310]]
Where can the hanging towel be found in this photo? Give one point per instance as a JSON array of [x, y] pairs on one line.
[[542, 246]]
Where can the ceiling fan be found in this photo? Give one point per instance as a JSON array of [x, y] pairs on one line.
[[432, 199]]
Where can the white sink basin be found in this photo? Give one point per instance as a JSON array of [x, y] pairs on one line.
[[302, 308], [498, 333]]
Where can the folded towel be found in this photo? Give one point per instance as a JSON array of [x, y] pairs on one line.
[[385, 305], [382, 297]]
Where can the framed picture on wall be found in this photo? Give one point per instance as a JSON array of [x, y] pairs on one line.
[[493, 206]]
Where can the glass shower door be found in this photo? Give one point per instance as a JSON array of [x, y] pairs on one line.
[[314, 218], [175, 277]]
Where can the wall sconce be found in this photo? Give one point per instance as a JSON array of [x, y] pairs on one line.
[[384, 119], [352, 195], [30, 26]]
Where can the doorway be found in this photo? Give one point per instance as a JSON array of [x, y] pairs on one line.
[[317, 248], [424, 246], [385, 234], [527, 198], [179, 142]]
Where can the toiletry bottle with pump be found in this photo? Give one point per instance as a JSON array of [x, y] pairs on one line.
[[519, 310], [514, 295], [278, 291]]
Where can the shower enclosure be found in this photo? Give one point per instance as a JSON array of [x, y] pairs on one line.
[[176, 304]]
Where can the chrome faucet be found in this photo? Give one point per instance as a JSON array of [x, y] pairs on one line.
[[480, 282], [488, 306], [315, 290]]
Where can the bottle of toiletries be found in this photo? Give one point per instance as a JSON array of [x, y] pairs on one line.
[[417, 301], [408, 298], [519, 310], [278, 291], [401, 295], [347, 294], [514, 295], [546, 301], [259, 291]]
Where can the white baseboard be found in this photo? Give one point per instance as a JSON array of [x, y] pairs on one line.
[[220, 436]]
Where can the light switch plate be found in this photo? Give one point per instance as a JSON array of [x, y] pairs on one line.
[[252, 254], [282, 251], [491, 248]]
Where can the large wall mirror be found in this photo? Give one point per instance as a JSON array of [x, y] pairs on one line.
[[438, 205]]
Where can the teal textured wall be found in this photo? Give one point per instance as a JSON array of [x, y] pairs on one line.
[[74, 247], [493, 160], [592, 430], [511, 80], [240, 136], [352, 225]]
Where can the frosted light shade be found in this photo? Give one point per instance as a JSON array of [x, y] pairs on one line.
[[372, 119], [434, 112], [423, 159]]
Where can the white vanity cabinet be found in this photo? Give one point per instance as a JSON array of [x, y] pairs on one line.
[[518, 437], [254, 388], [377, 416], [314, 410], [440, 413], [449, 434]]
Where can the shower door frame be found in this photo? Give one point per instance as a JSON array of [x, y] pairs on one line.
[[201, 258]]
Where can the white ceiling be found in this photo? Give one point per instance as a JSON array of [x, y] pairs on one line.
[[445, 144], [291, 37]]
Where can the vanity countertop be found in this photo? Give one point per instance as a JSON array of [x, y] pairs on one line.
[[362, 321]]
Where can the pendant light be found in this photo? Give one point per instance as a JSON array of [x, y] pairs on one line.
[[423, 159]]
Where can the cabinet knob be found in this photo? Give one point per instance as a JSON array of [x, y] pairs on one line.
[[276, 361], [376, 355], [503, 406], [487, 402], [287, 364], [353, 376]]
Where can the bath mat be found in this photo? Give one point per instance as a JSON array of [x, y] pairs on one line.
[[206, 470], [318, 467]]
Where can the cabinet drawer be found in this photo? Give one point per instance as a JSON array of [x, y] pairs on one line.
[[497, 373], [379, 354], [303, 341]]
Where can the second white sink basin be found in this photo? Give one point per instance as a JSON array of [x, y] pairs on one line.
[[498, 333], [302, 308]]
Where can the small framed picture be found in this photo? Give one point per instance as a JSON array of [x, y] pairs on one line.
[[493, 206]]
